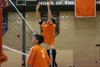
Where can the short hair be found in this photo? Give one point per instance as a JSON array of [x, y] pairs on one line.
[[40, 38], [54, 21]]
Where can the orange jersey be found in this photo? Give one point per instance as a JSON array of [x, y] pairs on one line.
[[38, 57], [1, 32], [3, 57], [1, 29], [1, 20], [48, 33]]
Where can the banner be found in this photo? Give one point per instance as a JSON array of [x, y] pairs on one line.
[[85, 8]]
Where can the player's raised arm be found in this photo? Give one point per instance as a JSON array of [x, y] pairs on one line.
[[49, 13], [38, 13]]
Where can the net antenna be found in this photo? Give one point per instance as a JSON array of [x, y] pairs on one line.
[[22, 17]]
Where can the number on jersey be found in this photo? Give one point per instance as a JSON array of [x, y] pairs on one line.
[[43, 54]]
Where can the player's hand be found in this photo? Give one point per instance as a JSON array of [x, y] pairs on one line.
[[6, 4], [38, 6], [49, 3]]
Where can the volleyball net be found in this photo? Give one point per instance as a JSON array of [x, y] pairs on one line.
[[21, 25]]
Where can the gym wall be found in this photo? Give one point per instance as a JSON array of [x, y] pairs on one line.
[[76, 42]]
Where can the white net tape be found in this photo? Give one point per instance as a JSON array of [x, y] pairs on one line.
[[6, 47], [9, 45], [22, 17]]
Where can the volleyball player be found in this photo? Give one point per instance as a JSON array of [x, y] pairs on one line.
[[38, 56], [3, 4], [48, 31]]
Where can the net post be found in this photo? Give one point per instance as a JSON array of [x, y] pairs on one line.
[[23, 40]]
